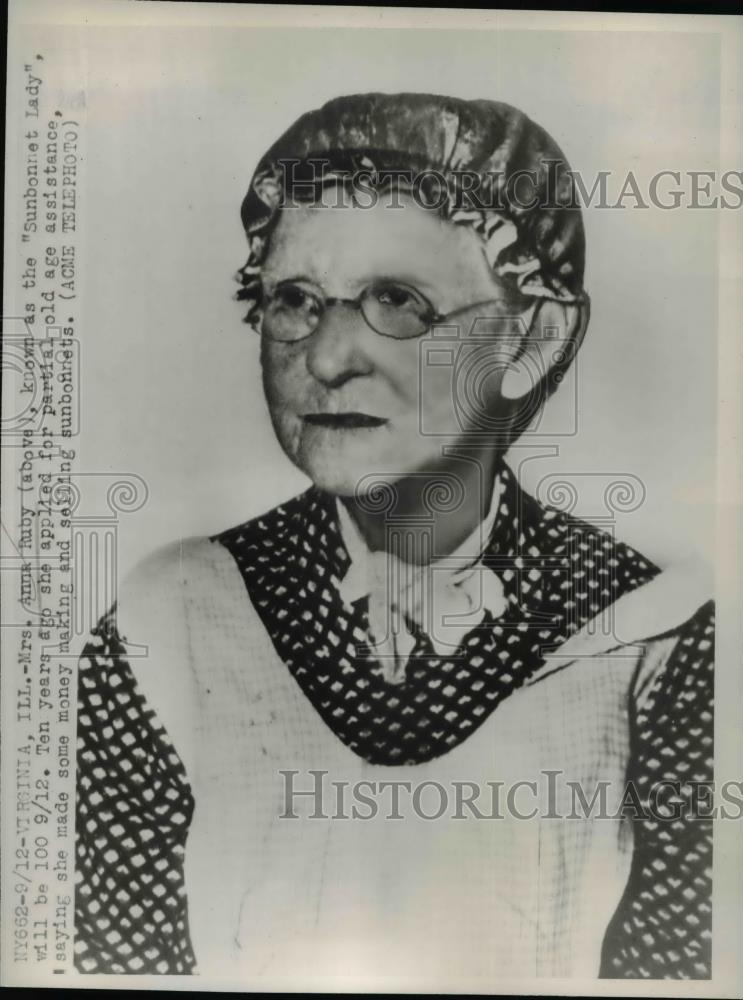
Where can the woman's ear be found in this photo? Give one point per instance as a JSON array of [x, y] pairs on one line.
[[553, 333]]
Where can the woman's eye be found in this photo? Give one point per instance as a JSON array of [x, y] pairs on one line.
[[295, 298], [395, 296]]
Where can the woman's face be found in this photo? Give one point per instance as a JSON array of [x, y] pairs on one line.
[[347, 403]]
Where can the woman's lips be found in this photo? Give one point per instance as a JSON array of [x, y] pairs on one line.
[[343, 421]]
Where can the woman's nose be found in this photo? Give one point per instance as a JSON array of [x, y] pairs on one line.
[[335, 351]]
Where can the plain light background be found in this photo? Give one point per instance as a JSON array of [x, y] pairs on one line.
[[176, 121]]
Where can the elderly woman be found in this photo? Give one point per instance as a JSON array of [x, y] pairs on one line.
[[412, 623]]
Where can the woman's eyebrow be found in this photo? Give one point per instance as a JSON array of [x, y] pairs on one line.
[[359, 283], [294, 279], [403, 277]]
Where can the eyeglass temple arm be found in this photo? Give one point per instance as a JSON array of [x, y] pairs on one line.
[[442, 317], [582, 299]]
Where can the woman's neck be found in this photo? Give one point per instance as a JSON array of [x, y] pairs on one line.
[[428, 515]]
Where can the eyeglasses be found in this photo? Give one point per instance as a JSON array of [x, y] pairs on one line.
[[292, 311]]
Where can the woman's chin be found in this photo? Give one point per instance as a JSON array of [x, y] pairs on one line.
[[346, 482], [346, 471]]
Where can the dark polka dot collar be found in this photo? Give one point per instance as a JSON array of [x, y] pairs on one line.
[[557, 572]]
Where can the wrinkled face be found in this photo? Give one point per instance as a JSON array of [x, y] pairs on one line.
[[346, 402]]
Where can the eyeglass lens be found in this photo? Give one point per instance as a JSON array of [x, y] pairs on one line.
[[293, 311]]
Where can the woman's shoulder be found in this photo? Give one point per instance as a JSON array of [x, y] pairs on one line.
[[159, 589], [181, 584], [167, 605], [173, 563], [665, 627]]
